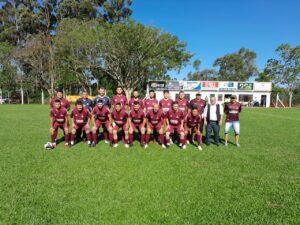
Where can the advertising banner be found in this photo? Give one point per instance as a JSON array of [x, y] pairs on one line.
[[245, 86], [210, 85], [227, 86], [263, 86]]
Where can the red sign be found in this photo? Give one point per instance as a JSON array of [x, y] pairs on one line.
[[210, 85]]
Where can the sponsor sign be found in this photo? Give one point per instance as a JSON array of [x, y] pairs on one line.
[[210, 85], [245, 86], [263, 86], [227, 86], [157, 85], [173, 85]]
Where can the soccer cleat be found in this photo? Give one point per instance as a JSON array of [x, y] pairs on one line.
[[66, 145], [226, 144], [130, 145], [146, 146], [238, 145], [115, 145], [89, 144], [180, 145], [72, 142], [187, 142], [199, 147], [183, 147], [93, 145], [163, 146], [171, 141], [167, 145], [126, 146], [106, 141]]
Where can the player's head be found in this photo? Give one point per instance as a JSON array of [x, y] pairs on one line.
[[84, 94], [135, 94], [194, 111], [151, 94], [57, 103], [136, 105], [156, 107], [233, 98], [166, 93], [212, 100], [181, 94], [119, 90], [198, 95], [79, 105], [100, 104], [118, 106], [175, 106], [101, 91], [59, 93]]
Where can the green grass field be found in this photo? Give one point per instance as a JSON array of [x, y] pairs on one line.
[[256, 184]]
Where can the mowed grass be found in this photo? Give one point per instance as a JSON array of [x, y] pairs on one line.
[[256, 184]]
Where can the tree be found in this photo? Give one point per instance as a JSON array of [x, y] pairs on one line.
[[206, 74], [239, 66], [285, 69]]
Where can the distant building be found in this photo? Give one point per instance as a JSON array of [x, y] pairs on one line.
[[248, 93]]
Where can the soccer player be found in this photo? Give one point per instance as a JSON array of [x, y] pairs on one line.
[[119, 121], [149, 102], [59, 119], [155, 122], [137, 121], [119, 98], [87, 103], [136, 99], [183, 103], [101, 118], [200, 104], [101, 96], [232, 110], [174, 122], [64, 102], [166, 103], [192, 126], [81, 120]]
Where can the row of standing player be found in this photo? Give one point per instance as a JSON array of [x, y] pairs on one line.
[[145, 116]]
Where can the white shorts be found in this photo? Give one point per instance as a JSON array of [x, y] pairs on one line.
[[235, 125]]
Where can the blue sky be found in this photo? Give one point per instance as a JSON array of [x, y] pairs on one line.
[[213, 28]]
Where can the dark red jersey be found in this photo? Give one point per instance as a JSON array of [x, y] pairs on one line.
[[232, 111], [119, 99], [165, 104], [131, 101], [63, 102], [101, 114], [175, 118], [183, 104], [137, 117], [149, 103], [80, 117], [120, 118], [199, 104], [59, 115], [155, 117], [192, 121]]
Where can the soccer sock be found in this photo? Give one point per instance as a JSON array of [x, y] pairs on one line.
[[130, 138], [147, 138], [53, 137], [67, 138], [182, 141], [95, 138], [161, 137], [111, 138], [126, 140], [72, 137], [168, 140], [199, 139], [88, 136], [115, 141], [142, 138], [105, 135]]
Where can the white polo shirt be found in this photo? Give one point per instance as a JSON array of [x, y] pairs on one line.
[[213, 112]]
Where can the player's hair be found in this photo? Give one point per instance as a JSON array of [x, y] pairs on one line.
[[136, 103], [166, 91], [59, 90], [57, 100], [84, 91], [103, 88], [119, 87], [118, 103], [151, 91], [175, 103], [194, 107], [181, 91], [78, 102]]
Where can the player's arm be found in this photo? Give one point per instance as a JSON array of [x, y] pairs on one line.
[[51, 121], [204, 114], [67, 119], [129, 121]]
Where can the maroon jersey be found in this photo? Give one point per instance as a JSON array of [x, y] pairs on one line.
[[149, 103], [119, 99], [131, 101], [183, 104], [232, 111], [64, 103], [120, 118], [155, 117], [199, 104], [192, 121], [175, 118], [80, 117], [165, 105], [101, 114], [59, 115], [137, 117]]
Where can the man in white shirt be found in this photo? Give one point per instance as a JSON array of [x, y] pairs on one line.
[[213, 115]]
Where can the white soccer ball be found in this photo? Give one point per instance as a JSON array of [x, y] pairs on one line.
[[48, 146]]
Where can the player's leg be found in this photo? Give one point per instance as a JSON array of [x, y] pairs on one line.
[[168, 135], [199, 137], [75, 129], [161, 136], [66, 132], [227, 130], [86, 129], [126, 135], [142, 130], [94, 132], [181, 136], [236, 127], [115, 135], [110, 132], [147, 137], [131, 131], [53, 135]]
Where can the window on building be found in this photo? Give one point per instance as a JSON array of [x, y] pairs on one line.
[[245, 98], [220, 98]]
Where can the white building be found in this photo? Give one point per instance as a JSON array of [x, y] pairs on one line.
[[246, 92]]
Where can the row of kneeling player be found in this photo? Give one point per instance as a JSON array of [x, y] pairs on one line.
[[155, 121]]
